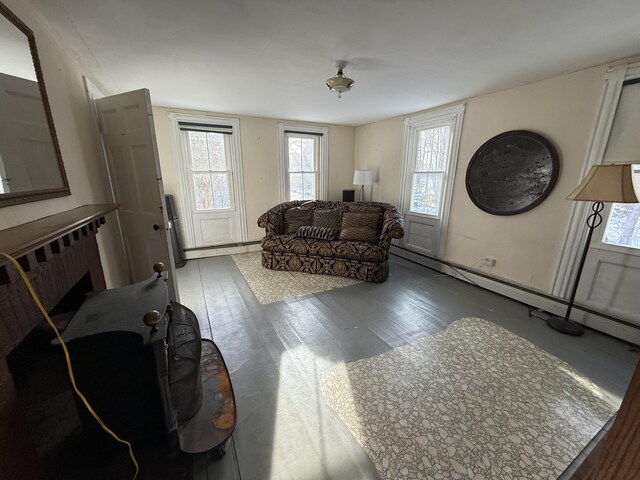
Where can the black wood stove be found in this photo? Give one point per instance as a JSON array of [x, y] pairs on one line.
[[142, 364]]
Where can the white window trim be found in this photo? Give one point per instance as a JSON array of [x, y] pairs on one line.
[[323, 160], [178, 146], [576, 230], [453, 117]]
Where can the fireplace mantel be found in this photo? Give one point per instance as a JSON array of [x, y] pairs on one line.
[[55, 252], [21, 239]]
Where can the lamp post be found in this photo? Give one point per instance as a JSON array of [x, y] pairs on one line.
[[603, 183]]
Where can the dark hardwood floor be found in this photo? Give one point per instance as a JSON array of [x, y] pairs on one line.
[[277, 352]]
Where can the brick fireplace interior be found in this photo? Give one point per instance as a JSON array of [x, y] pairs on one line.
[[42, 384]]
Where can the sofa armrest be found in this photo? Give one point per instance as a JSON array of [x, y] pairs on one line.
[[272, 221], [392, 227]]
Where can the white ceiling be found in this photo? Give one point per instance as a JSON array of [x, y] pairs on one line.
[[270, 58]]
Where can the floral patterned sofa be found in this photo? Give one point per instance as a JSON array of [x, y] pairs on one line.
[[349, 239]]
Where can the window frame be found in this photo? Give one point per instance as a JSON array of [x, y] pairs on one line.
[[451, 117], [321, 135]]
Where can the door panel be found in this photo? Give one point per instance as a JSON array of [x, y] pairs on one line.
[[422, 234], [126, 124], [213, 231], [611, 285]]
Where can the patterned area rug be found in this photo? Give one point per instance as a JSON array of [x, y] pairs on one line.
[[274, 286], [473, 401]]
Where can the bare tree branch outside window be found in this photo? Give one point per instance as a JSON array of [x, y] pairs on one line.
[[210, 170], [432, 151]]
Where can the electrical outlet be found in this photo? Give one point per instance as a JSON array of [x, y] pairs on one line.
[[490, 261]]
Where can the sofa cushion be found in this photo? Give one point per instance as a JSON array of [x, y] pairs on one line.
[[322, 233], [293, 244], [327, 217], [296, 217], [361, 227]]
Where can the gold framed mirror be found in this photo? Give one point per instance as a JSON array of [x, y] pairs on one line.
[[31, 167]]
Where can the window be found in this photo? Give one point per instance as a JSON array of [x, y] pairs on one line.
[[430, 149], [303, 160], [209, 190], [209, 161], [623, 226], [430, 164], [429, 152]]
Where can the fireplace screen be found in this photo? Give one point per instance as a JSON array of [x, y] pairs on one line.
[[185, 347]]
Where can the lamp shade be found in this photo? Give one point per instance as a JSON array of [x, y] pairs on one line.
[[607, 183], [363, 177]]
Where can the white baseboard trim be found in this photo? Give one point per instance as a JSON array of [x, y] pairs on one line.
[[219, 251], [610, 327]]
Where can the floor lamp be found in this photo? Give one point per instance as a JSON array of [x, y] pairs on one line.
[[362, 178], [603, 183]]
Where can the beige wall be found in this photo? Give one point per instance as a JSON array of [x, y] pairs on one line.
[[378, 148], [527, 246], [259, 145], [74, 125]]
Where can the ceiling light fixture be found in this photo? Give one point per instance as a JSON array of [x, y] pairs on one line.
[[340, 83]]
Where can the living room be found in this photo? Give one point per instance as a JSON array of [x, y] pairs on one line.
[[546, 73]]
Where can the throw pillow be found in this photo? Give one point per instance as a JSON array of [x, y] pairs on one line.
[[361, 227], [327, 217], [321, 233], [365, 209], [296, 217]]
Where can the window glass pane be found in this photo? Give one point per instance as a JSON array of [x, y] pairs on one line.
[[426, 193], [295, 154], [296, 189], [203, 190], [623, 226], [198, 148], [432, 149], [212, 191], [217, 155], [221, 191], [309, 185], [308, 154]]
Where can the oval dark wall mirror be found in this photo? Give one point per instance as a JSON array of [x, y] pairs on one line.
[[31, 166], [512, 172]]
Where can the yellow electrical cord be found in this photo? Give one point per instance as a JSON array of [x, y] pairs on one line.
[[68, 360]]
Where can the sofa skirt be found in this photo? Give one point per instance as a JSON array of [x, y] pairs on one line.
[[291, 262]]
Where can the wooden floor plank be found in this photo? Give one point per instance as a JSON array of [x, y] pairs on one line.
[[276, 354]]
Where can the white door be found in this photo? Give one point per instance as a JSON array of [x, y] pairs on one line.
[[211, 199], [611, 278], [429, 162], [28, 158], [126, 126]]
